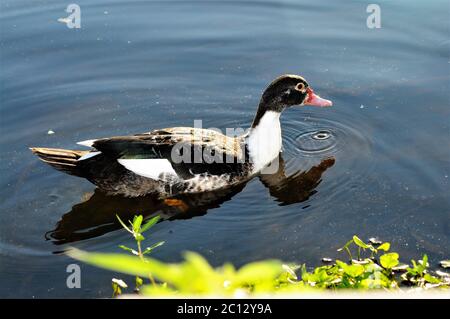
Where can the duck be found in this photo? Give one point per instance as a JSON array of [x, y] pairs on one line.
[[187, 160], [95, 215]]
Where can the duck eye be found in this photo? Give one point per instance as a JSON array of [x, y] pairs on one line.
[[301, 87]]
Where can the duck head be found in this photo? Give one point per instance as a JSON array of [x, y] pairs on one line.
[[264, 138], [285, 91]]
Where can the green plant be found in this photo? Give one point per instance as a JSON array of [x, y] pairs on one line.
[[374, 271], [196, 277], [136, 229]]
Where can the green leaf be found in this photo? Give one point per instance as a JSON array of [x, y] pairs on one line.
[[123, 224], [431, 279], [139, 281], [351, 270], [128, 264], [354, 270], [414, 270], [259, 271], [346, 245], [150, 224], [134, 252], [117, 285], [384, 246], [139, 237], [425, 261], [137, 221], [149, 249], [389, 260], [116, 289], [359, 242], [198, 276], [303, 271]]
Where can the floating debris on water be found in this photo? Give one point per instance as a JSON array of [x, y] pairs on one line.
[[327, 260], [445, 264], [50, 132], [400, 268], [375, 241], [360, 262], [120, 282]]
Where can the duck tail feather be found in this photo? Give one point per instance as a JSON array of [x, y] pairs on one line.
[[61, 159]]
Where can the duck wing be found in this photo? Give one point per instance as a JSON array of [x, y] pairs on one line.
[[181, 151]]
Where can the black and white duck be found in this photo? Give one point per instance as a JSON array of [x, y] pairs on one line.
[[181, 160], [96, 214]]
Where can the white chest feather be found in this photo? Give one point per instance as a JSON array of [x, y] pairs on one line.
[[264, 140]]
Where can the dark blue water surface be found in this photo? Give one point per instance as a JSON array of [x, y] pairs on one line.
[[134, 66]]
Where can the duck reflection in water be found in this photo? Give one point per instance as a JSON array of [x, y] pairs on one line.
[[97, 215]]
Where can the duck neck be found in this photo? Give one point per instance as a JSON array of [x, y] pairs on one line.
[[264, 139]]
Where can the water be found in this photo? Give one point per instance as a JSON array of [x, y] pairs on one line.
[[375, 164]]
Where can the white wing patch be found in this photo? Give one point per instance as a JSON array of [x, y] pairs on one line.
[[87, 143], [88, 155], [151, 168]]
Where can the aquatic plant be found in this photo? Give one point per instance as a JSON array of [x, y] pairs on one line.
[[380, 269], [136, 229]]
